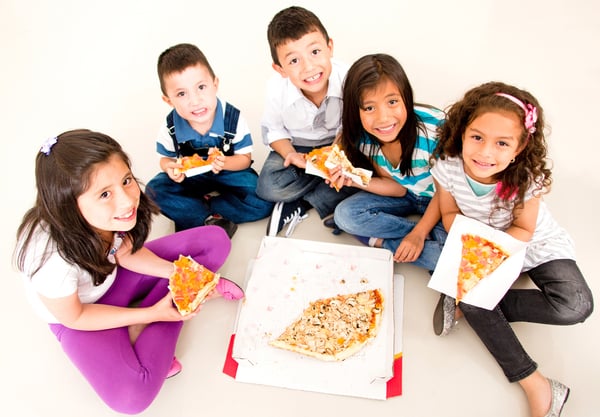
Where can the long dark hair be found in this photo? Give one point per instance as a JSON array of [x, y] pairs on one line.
[[365, 74], [62, 175]]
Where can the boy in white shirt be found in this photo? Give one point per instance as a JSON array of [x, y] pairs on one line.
[[303, 112]]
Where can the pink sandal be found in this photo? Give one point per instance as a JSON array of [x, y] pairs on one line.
[[229, 289]]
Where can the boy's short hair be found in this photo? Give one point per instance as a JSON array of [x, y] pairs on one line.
[[291, 24], [179, 57]]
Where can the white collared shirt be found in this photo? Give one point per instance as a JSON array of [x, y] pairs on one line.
[[290, 115]]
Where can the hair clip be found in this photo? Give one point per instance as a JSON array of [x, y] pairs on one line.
[[505, 193], [529, 109], [47, 145]]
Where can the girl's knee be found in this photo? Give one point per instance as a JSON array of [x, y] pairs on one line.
[[577, 308]]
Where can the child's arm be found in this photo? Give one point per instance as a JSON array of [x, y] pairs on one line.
[[523, 226], [235, 162], [70, 312], [412, 245], [448, 207], [143, 261], [168, 165], [73, 314], [291, 157]]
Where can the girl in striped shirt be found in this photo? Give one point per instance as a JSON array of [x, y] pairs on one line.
[[384, 131], [492, 167]]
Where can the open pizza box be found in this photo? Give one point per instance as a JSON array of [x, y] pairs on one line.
[[285, 277], [490, 290]]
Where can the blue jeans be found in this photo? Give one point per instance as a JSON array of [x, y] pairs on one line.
[[287, 184], [373, 215], [184, 202], [563, 298]]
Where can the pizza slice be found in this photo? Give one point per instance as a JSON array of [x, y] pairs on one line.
[[335, 328], [196, 161], [190, 283], [480, 257], [327, 157]]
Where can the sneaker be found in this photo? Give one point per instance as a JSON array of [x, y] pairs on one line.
[[330, 223], [218, 220], [175, 368], [290, 214], [229, 289], [443, 316]]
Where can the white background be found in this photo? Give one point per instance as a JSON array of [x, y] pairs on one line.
[[79, 64]]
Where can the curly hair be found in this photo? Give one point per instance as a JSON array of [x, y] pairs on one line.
[[364, 75], [62, 175], [530, 169]]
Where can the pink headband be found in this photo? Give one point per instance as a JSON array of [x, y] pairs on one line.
[[530, 112]]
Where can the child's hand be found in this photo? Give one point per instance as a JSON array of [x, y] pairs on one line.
[[165, 310], [218, 164], [295, 158], [410, 248], [170, 168], [337, 179]]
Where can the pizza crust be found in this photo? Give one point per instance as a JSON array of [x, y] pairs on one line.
[[335, 328]]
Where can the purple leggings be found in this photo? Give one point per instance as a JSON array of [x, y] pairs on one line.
[[127, 377]]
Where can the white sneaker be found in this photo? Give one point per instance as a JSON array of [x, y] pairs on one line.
[[294, 221]]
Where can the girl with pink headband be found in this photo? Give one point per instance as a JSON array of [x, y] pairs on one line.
[[491, 166]]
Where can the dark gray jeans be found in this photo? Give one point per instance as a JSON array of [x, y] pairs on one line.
[[563, 298]]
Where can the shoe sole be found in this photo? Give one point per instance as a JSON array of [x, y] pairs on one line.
[[274, 220], [438, 316]]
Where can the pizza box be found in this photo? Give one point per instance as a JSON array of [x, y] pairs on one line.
[[490, 290], [282, 280]]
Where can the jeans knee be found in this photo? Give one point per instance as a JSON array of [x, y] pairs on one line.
[[578, 308]]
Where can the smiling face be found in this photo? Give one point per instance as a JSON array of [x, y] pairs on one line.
[[490, 143], [307, 63], [110, 203], [382, 111], [193, 94]]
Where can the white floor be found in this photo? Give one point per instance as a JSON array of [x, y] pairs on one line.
[[451, 376]]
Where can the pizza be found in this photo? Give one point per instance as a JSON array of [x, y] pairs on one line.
[[327, 157], [190, 283], [196, 161], [335, 328], [480, 257]]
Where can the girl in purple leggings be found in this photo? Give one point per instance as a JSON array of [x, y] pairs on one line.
[[90, 275]]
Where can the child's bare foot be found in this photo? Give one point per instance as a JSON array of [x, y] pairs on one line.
[[134, 331]]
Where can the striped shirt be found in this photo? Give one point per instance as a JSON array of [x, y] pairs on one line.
[[549, 240], [419, 182]]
